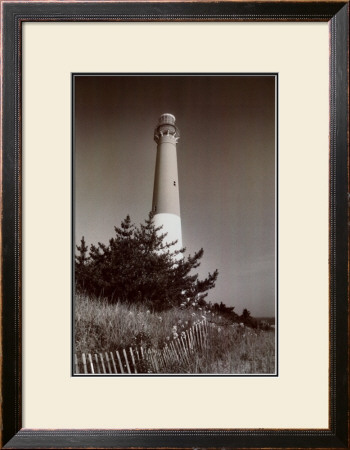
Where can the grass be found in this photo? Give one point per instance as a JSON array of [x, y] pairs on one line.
[[232, 348]]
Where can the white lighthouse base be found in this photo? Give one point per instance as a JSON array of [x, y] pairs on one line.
[[172, 226]]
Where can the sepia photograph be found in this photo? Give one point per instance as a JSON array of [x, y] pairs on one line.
[[174, 224]]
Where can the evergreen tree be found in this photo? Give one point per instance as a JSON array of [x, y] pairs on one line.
[[81, 265], [138, 265], [247, 319], [246, 314]]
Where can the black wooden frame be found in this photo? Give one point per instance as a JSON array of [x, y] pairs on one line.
[[14, 14]]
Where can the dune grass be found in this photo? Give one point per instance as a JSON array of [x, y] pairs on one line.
[[233, 348]]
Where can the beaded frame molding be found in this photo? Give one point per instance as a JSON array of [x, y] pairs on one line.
[[14, 14]]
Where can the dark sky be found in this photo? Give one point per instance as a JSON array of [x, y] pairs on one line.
[[226, 163]]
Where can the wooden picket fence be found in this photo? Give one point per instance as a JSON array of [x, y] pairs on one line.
[[150, 360]]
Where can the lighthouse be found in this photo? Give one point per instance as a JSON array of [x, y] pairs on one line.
[[166, 200]]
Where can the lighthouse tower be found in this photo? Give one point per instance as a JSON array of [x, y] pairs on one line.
[[166, 202]]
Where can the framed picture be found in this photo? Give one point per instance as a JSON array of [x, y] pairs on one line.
[[135, 136]]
